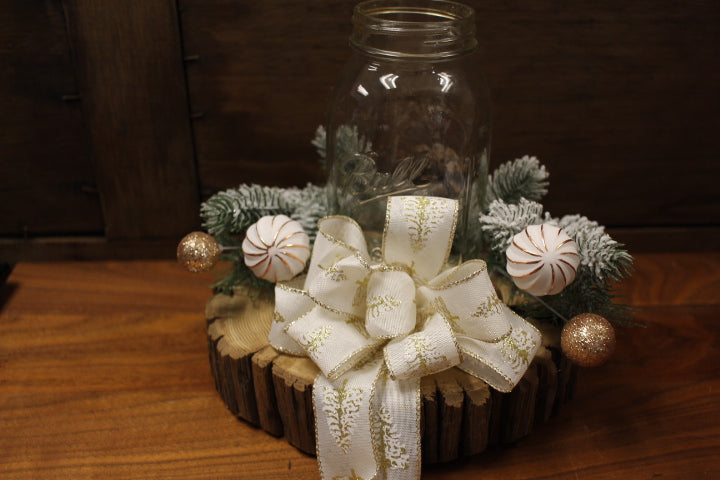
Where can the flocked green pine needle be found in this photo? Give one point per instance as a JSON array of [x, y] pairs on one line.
[[512, 203]]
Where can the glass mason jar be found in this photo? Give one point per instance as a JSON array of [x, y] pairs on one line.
[[410, 115]]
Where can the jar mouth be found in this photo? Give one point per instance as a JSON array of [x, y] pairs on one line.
[[413, 28], [414, 14]]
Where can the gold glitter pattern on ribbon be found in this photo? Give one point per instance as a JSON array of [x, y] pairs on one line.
[[388, 441], [315, 340], [423, 215], [516, 350], [381, 304], [342, 406], [422, 356], [361, 291], [438, 306], [333, 272], [492, 305]]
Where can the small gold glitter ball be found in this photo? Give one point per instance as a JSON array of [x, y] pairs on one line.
[[588, 340], [198, 252]]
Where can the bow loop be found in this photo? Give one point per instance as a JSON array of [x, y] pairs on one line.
[[335, 343], [337, 284], [467, 298], [419, 233]]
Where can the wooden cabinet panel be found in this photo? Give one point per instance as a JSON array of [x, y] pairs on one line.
[[46, 177], [618, 99], [259, 86], [130, 71]]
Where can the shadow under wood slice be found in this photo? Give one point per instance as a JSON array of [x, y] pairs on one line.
[[567, 374], [237, 327], [518, 409], [431, 419], [451, 399], [212, 356], [456, 414], [476, 414], [268, 414], [293, 378], [547, 385]]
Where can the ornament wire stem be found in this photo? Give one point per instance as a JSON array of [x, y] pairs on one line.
[[505, 274]]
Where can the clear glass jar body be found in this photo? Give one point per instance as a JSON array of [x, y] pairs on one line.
[[410, 114]]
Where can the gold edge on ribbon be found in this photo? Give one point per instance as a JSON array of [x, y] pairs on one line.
[[387, 363], [342, 366], [372, 417], [475, 273], [388, 208], [451, 237], [339, 217], [392, 267], [288, 288], [331, 238], [349, 316], [387, 337], [293, 322], [315, 413], [346, 364], [492, 367], [448, 325], [418, 425]]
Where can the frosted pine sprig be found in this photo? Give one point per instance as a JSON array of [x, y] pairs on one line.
[[503, 221], [598, 251], [234, 210], [308, 205], [348, 142], [522, 178]]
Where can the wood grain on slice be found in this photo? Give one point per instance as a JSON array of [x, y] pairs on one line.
[[461, 414]]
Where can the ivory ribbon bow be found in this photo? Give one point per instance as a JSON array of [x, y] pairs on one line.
[[374, 329]]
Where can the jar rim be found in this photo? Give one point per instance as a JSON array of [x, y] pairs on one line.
[[448, 25], [443, 11]]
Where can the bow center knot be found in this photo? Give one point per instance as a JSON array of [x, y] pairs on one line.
[[391, 309]]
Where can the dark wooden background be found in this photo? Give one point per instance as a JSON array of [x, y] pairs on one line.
[[119, 117]]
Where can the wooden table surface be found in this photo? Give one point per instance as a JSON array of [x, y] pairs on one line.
[[104, 374]]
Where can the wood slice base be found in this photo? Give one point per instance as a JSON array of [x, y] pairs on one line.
[[461, 415]]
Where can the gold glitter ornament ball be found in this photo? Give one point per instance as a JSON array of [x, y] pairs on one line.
[[198, 252], [588, 340]]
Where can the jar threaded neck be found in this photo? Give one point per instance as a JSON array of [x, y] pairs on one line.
[[407, 29]]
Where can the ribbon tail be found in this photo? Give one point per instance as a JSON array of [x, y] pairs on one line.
[[396, 428], [368, 425], [343, 424]]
